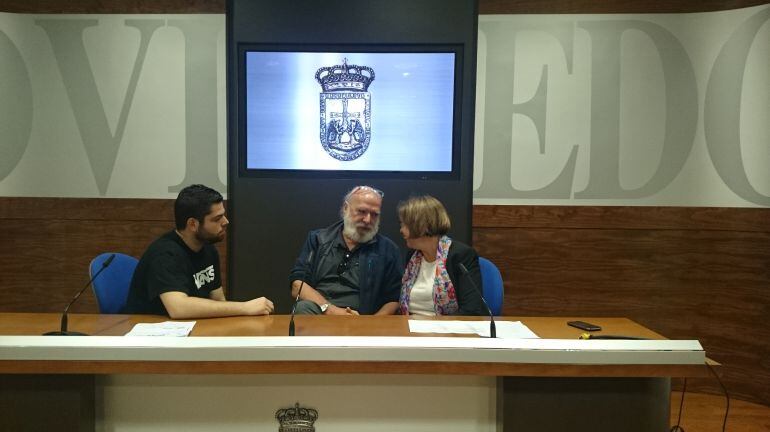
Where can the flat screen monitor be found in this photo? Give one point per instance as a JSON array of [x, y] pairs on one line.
[[343, 110]]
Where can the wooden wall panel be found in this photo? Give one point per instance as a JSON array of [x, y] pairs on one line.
[[49, 243], [608, 217], [687, 273], [485, 6], [91, 209]]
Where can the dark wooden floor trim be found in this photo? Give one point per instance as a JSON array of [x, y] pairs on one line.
[[485, 6]]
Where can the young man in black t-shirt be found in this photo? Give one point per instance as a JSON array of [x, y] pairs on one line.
[[179, 274]]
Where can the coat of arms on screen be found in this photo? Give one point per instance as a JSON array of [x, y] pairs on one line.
[[296, 419], [345, 109]]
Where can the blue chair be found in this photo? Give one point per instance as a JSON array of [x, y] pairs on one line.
[[111, 287], [492, 283]]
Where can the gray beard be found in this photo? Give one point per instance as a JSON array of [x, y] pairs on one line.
[[349, 230]]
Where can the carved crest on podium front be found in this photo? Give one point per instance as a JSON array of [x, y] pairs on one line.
[[296, 419]]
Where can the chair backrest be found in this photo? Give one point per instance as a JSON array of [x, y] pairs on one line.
[[492, 282], [111, 287]]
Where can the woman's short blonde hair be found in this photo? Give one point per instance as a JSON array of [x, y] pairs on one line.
[[424, 216]]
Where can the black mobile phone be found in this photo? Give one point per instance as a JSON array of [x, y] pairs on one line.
[[582, 325]]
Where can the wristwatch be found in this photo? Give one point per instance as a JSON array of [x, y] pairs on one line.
[[324, 307]]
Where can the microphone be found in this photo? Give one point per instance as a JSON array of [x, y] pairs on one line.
[[492, 328], [294, 309], [296, 300], [63, 331]]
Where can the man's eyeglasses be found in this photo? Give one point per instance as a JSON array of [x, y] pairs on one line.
[[344, 264], [370, 189], [358, 189]]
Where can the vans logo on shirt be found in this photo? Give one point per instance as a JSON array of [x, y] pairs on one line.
[[204, 276]]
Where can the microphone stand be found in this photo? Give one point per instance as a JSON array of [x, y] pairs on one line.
[[492, 327], [296, 300], [63, 331], [294, 309]]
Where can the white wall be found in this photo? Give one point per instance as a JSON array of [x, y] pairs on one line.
[[656, 109]]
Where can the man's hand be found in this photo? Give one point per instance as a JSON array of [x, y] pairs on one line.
[[334, 310], [258, 306]]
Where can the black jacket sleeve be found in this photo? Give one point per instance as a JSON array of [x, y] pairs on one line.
[[468, 296], [392, 278]]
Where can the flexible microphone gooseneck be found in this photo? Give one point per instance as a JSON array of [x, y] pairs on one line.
[[492, 328], [294, 309], [63, 331], [296, 300]]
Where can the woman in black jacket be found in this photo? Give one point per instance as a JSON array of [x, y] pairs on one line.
[[433, 283]]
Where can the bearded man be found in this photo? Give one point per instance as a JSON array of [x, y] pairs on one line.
[[179, 274], [349, 268]]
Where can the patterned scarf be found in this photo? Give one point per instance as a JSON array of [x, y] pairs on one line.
[[444, 298]]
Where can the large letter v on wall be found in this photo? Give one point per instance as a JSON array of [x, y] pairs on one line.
[[66, 36]]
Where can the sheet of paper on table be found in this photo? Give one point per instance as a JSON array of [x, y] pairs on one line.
[[166, 328], [505, 329]]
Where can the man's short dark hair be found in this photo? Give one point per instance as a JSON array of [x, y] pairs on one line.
[[194, 201]]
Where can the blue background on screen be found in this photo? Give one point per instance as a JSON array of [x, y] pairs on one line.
[[412, 100]]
